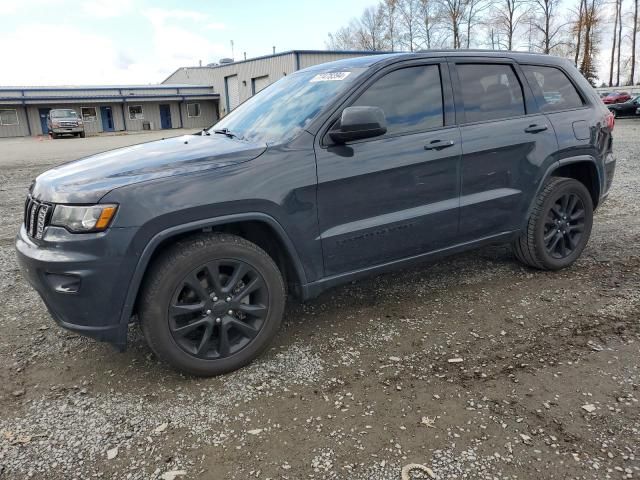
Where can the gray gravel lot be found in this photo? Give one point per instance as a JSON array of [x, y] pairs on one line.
[[359, 383]]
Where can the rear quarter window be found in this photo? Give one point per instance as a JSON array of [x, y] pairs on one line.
[[553, 88]]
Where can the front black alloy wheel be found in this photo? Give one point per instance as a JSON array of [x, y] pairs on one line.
[[211, 303], [218, 308]]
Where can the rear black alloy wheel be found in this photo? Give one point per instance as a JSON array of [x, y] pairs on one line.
[[211, 303], [218, 308], [558, 227], [564, 226]]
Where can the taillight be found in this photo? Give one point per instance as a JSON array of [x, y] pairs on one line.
[[611, 121]]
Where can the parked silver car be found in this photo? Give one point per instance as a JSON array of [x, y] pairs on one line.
[[65, 121]]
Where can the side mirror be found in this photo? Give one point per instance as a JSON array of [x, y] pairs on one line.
[[359, 122]]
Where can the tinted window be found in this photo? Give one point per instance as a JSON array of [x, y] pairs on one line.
[[279, 112], [553, 87], [490, 92], [410, 97]]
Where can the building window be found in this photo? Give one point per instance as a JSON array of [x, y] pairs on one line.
[[259, 83], [9, 117], [135, 112], [89, 114], [193, 110]]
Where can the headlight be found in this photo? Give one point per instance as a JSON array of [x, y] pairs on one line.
[[86, 218]]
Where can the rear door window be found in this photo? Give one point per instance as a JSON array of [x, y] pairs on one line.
[[490, 92], [411, 99], [552, 87]]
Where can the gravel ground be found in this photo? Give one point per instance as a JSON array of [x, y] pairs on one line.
[[474, 367]]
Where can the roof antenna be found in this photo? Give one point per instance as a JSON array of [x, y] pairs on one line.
[[274, 49], [245, 55], [232, 54]]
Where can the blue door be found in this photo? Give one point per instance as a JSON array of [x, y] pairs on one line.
[[44, 113], [165, 116], [107, 119]]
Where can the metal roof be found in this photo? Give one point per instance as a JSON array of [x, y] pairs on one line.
[[280, 54], [37, 88]]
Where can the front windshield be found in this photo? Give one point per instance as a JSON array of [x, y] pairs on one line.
[[281, 110], [63, 114]]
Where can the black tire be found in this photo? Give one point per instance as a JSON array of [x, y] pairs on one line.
[[535, 246], [81, 134], [54, 135], [169, 280]]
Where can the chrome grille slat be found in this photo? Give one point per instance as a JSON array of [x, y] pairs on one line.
[[36, 217]]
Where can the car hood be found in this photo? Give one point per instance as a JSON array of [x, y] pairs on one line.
[[89, 179]]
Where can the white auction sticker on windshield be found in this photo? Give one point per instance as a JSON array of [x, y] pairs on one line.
[[330, 77]]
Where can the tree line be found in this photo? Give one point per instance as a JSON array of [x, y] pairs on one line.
[[570, 28]]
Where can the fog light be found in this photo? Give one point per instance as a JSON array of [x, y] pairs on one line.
[[63, 283]]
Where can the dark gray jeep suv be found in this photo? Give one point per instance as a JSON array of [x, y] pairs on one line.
[[334, 172]]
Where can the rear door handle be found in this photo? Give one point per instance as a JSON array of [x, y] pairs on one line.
[[439, 144], [535, 128]]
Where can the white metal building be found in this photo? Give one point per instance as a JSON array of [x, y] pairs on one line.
[[237, 81], [24, 110]]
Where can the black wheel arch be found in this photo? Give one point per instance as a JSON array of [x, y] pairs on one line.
[[259, 228], [583, 168]]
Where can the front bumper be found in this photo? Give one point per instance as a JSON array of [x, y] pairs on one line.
[[82, 278], [62, 130]]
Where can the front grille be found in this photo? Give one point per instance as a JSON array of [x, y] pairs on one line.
[[68, 124], [37, 216]]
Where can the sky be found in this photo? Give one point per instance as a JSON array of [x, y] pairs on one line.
[[108, 42]]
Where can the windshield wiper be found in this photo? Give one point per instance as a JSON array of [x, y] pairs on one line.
[[227, 132]]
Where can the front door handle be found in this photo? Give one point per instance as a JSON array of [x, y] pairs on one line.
[[535, 128], [439, 144]]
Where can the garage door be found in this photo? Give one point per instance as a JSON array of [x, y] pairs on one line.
[[233, 92], [259, 83]]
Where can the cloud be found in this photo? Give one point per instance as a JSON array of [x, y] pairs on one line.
[[172, 39], [216, 26], [106, 8], [93, 57]]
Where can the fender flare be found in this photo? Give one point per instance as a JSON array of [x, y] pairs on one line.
[[555, 166], [158, 238]]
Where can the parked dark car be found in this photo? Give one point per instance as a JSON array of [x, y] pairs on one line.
[[333, 173], [65, 121], [616, 97], [628, 108]]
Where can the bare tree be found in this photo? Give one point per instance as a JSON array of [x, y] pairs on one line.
[[615, 39], [453, 11], [428, 22], [592, 20], [619, 42], [577, 30], [634, 36], [473, 12], [547, 25], [389, 9], [370, 31], [508, 17], [342, 39], [408, 16]]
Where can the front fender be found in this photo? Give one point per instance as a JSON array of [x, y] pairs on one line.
[[156, 240]]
